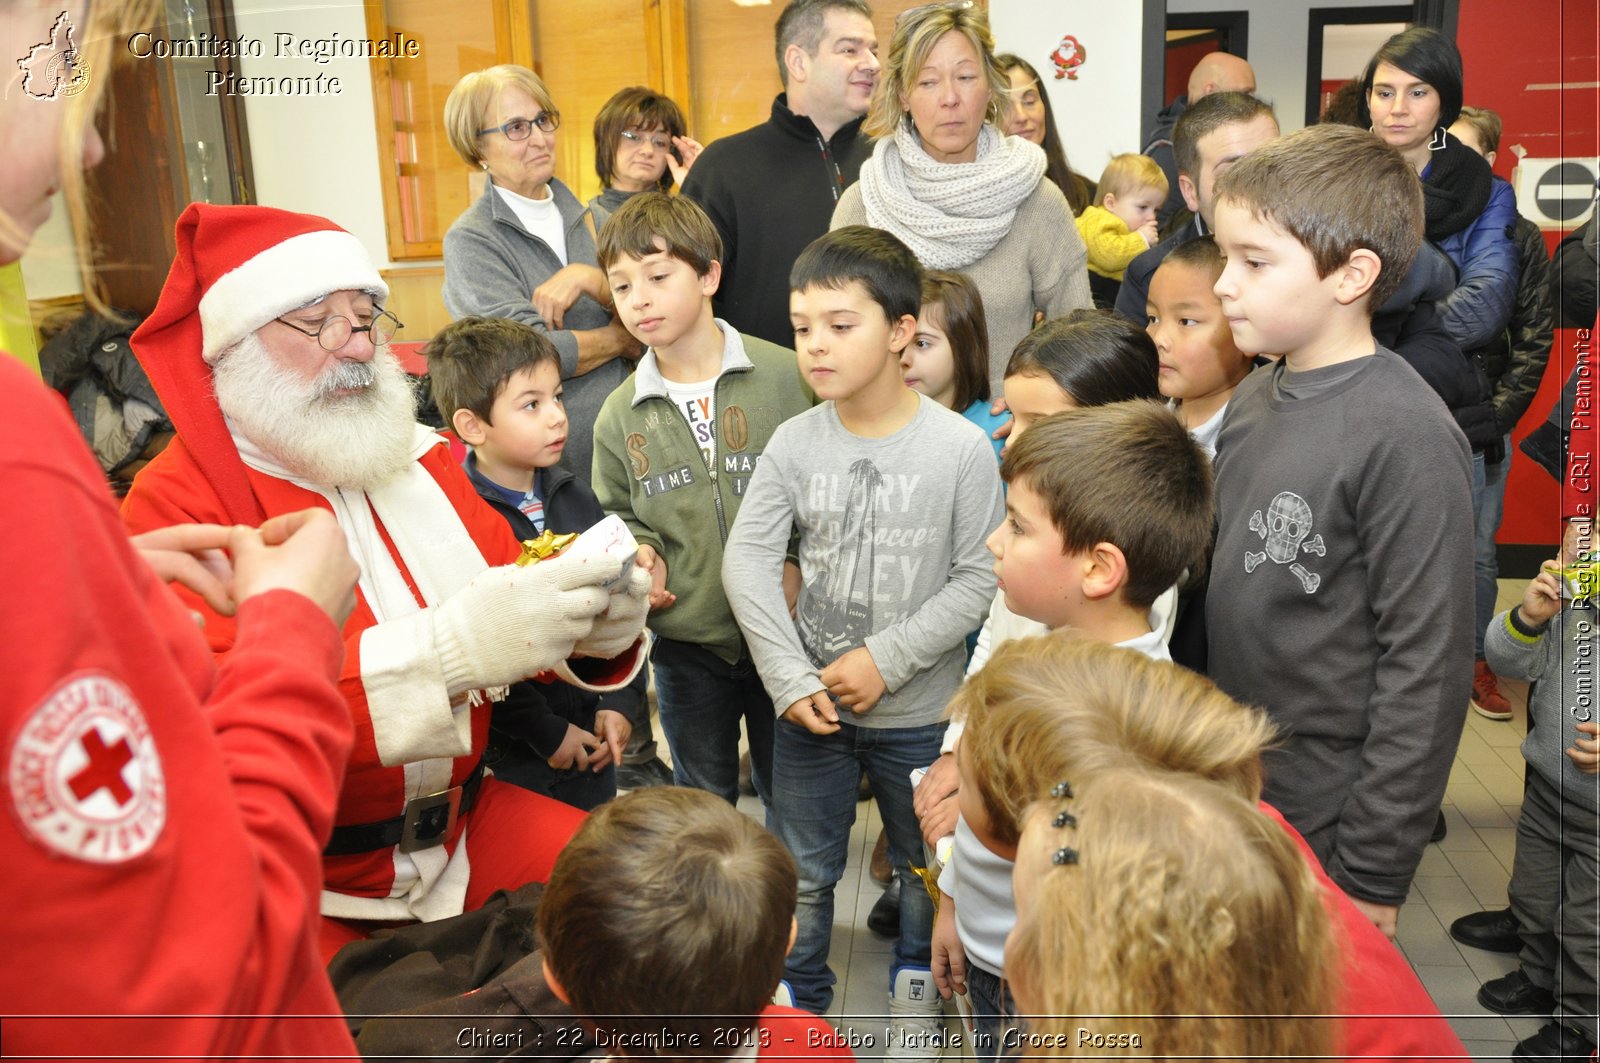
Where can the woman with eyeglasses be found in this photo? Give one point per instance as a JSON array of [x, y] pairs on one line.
[[960, 193], [525, 249], [640, 145]]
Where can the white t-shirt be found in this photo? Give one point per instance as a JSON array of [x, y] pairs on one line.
[[1206, 434], [541, 217], [697, 403]]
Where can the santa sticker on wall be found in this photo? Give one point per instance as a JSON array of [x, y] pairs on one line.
[[84, 775], [1067, 58]]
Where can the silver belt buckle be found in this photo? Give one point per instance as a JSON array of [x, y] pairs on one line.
[[429, 820]]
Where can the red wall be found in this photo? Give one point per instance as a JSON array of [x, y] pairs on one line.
[[1506, 47], [1181, 61]]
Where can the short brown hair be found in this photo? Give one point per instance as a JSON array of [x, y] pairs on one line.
[[1128, 474], [676, 221], [641, 110], [1207, 115], [1062, 706], [472, 97], [669, 907], [471, 359], [960, 308], [1486, 124], [1335, 190], [1201, 253], [1125, 174]]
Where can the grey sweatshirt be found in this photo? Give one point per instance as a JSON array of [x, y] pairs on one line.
[[1561, 664], [1340, 602], [892, 556]]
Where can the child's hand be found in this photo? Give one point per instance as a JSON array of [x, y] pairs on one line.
[[1148, 231], [815, 713], [935, 800], [1585, 752], [1576, 540], [997, 407], [613, 730], [575, 749], [948, 959], [791, 586], [854, 679], [656, 565], [1541, 600], [1386, 917]]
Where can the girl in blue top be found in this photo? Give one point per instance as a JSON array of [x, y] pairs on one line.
[[948, 359]]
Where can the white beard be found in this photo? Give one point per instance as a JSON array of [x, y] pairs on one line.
[[356, 441]]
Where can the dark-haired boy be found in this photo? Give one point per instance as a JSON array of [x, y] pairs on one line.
[[498, 382], [1338, 595], [674, 450], [1106, 508], [892, 495]]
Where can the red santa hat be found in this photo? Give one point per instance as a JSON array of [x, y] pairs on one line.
[[236, 269]]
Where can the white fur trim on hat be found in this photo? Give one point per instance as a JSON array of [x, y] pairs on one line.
[[300, 270]]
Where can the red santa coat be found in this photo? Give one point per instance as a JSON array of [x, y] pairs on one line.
[[165, 815], [395, 758], [1388, 1014]]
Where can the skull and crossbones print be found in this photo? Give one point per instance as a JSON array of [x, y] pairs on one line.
[[1287, 523]]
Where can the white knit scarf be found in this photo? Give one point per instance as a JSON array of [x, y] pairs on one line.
[[950, 214]]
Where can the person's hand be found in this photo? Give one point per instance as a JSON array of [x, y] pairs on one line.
[[935, 801], [1541, 599], [613, 729], [627, 345], [815, 713], [854, 679], [618, 627], [555, 296], [996, 408], [1576, 540], [948, 959], [193, 556], [791, 586], [656, 565], [304, 552], [688, 149], [1585, 752], [1148, 231], [1384, 916], [576, 749], [511, 622]]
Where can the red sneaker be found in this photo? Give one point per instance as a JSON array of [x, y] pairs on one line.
[[1487, 701]]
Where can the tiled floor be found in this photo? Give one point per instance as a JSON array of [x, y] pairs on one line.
[[1466, 872]]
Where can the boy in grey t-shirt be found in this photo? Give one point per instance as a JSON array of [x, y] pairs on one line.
[[893, 496]]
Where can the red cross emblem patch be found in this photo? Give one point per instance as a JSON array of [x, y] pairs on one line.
[[84, 775]]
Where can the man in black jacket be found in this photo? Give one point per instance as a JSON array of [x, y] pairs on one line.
[[770, 190]]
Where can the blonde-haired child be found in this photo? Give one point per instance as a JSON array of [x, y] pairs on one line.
[[1171, 903], [1121, 226], [1128, 713]]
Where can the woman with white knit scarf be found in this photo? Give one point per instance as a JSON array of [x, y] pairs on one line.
[[962, 195]]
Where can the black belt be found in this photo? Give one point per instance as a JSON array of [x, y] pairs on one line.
[[427, 822]]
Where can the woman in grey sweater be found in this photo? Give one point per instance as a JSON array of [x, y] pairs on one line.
[[525, 249]]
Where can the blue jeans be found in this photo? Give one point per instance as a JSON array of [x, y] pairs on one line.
[[701, 699], [814, 805], [992, 1010], [1488, 506]]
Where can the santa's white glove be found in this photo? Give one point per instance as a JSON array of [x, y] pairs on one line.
[[619, 626], [511, 622]]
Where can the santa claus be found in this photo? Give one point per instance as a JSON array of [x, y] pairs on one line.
[[268, 348]]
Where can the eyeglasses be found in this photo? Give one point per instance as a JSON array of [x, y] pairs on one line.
[[917, 12], [336, 331], [656, 140], [520, 128]]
